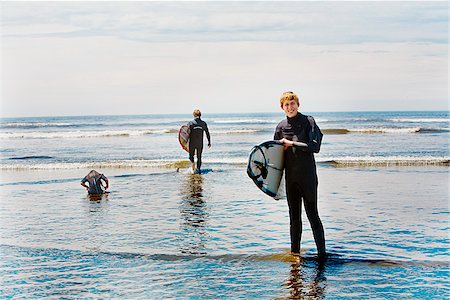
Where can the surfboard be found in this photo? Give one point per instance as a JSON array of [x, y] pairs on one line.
[[183, 137], [265, 166]]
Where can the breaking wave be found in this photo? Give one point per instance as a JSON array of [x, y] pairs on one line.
[[387, 161], [115, 164], [421, 120], [375, 130], [83, 134], [31, 125], [235, 162]]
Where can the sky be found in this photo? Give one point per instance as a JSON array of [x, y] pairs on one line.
[[109, 58]]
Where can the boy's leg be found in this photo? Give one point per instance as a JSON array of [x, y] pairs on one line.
[[310, 202], [199, 157], [295, 215], [191, 155]]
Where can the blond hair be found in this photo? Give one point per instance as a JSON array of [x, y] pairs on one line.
[[288, 96], [197, 113]]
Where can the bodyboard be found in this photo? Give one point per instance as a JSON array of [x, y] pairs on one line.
[[265, 166], [183, 137]]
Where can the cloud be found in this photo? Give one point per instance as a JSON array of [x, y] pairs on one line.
[[133, 57], [304, 22]]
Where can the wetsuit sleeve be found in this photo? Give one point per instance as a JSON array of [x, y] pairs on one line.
[[84, 179], [207, 134], [105, 179], [278, 133], [314, 137]]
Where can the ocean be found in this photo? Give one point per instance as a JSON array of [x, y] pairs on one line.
[[163, 233]]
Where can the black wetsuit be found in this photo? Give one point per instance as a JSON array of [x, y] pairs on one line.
[[301, 178], [197, 127], [94, 178]]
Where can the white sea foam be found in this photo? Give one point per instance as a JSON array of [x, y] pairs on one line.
[[227, 161], [320, 120], [375, 130], [240, 162], [35, 125], [81, 134], [387, 161], [99, 164], [421, 120], [237, 131], [131, 163], [385, 130], [121, 164], [359, 119]]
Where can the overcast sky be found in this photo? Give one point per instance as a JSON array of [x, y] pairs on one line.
[[90, 58]]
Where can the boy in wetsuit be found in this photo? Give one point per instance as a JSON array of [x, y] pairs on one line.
[[95, 179], [301, 139], [197, 127]]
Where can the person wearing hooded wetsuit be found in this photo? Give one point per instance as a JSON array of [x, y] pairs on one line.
[[95, 179], [197, 127], [301, 138]]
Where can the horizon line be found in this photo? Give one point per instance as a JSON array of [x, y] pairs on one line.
[[215, 113]]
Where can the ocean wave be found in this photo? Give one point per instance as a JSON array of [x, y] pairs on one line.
[[107, 133], [433, 130], [233, 162], [83, 134], [421, 120], [387, 161], [141, 132], [122, 164], [31, 125], [386, 130], [259, 121], [30, 157], [44, 125], [115, 164], [375, 130], [361, 119], [166, 131], [238, 131], [335, 131]]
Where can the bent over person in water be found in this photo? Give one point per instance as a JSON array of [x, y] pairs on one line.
[[197, 127], [95, 180], [301, 138]]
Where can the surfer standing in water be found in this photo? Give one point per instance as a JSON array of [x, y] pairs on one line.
[[301, 138], [95, 180], [197, 127]]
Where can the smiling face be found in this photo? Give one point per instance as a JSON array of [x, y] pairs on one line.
[[290, 108], [290, 104]]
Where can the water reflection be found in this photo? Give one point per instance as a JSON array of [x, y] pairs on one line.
[[194, 216], [306, 280], [96, 204], [95, 222], [97, 197]]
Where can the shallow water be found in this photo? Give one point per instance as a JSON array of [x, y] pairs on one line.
[[383, 200], [167, 234]]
